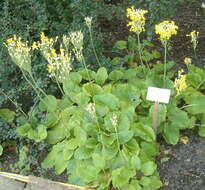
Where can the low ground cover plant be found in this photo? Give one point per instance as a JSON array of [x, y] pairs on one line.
[[100, 130]]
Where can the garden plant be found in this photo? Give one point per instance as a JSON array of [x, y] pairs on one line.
[[100, 128]]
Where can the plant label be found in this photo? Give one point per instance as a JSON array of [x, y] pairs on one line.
[[160, 95]]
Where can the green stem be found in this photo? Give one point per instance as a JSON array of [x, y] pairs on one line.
[[59, 86], [91, 39], [165, 61], [16, 105], [83, 60], [37, 87], [139, 48], [31, 85]]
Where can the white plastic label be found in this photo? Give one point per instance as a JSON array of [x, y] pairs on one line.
[[161, 95]]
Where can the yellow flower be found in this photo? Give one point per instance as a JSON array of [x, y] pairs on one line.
[[166, 29], [187, 60], [180, 82], [43, 37], [53, 51], [9, 41], [50, 68], [34, 46], [137, 19], [194, 36], [48, 55]]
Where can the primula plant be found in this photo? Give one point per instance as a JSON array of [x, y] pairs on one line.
[[100, 130]]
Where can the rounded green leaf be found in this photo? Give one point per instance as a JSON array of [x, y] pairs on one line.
[[98, 161], [135, 162], [101, 75], [107, 99], [148, 168], [121, 44], [49, 103], [116, 75], [7, 115]]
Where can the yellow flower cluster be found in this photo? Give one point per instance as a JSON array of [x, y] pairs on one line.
[[137, 19], [45, 45], [194, 36], [166, 29], [180, 82], [187, 60], [19, 52], [59, 65]]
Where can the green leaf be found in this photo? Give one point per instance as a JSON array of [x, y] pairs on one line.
[[116, 60], [196, 104], [116, 75], [156, 54], [87, 74], [129, 74], [83, 153], [49, 161], [87, 172], [81, 99], [98, 160], [171, 134], [178, 118], [7, 115], [148, 168], [144, 132], [1, 150], [70, 87], [58, 133], [49, 103], [101, 109], [92, 89], [155, 183], [24, 129], [72, 144], [101, 75], [110, 152], [121, 176], [60, 163], [123, 123], [67, 154], [145, 181], [38, 134], [135, 162], [150, 148], [121, 44], [108, 140], [202, 131], [133, 147], [80, 135], [75, 77], [107, 99], [125, 136]]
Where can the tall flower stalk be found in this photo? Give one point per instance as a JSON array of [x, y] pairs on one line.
[[194, 40], [136, 24], [166, 30], [88, 21]]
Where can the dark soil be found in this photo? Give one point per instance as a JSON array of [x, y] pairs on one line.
[[186, 168]]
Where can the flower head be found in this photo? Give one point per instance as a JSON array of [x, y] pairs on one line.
[[59, 65], [187, 60], [166, 29], [180, 82], [194, 36], [137, 19], [88, 21], [19, 52]]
